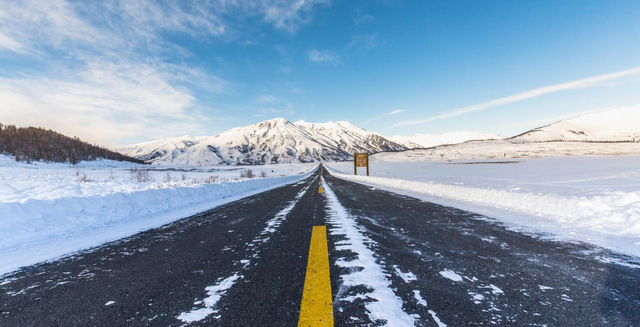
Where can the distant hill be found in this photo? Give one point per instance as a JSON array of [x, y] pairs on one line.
[[430, 140], [268, 142], [30, 144], [612, 125]]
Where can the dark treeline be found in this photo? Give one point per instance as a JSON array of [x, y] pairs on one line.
[[38, 144]]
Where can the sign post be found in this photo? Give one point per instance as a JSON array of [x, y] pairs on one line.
[[360, 160]]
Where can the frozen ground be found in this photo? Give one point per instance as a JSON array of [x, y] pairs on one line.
[[49, 210], [588, 198]]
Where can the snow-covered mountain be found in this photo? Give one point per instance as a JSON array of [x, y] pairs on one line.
[[272, 141], [350, 137], [163, 150], [612, 125], [430, 140]]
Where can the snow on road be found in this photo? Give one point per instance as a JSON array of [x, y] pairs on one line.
[[450, 274], [47, 212], [592, 199], [206, 307], [382, 303], [214, 293]]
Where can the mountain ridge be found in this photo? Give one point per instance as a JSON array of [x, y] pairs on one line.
[[268, 142], [281, 141]]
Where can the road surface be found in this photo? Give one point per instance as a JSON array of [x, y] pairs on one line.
[[384, 259]]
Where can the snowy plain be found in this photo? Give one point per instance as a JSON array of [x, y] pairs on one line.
[[47, 211], [594, 199]]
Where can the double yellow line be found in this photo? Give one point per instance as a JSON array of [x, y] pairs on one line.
[[316, 309]]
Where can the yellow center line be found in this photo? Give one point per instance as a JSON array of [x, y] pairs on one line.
[[317, 309]]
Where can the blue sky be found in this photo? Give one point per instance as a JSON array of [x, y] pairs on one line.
[[120, 72]]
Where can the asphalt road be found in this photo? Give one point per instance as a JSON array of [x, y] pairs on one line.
[[393, 260]]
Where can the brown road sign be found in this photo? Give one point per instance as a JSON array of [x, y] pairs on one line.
[[360, 160]]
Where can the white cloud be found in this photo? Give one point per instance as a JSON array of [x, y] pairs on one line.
[[287, 110], [267, 98], [555, 119], [289, 14], [108, 78], [361, 43], [395, 112], [581, 83], [37, 23], [11, 44], [105, 103], [324, 56], [123, 24], [362, 18], [285, 70]]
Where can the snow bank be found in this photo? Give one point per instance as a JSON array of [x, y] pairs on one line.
[[37, 229], [616, 213], [609, 218]]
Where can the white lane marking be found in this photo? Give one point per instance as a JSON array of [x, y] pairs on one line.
[[383, 304], [215, 292]]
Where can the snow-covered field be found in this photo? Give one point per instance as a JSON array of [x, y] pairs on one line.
[[508, 149], [49, 210], [594, 199]]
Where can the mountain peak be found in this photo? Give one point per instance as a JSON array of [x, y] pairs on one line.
[[274, 121], [269, 142]]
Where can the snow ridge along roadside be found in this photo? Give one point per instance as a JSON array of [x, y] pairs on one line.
[[39, 230], [382, 303], [215, 292], [610, 220]]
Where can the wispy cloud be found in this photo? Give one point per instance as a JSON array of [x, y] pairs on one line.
[[107, 104], [286, 70], [289, 15], [362, 18], [554, 119], [577, 84], [395, 112], [286, 110], [361, 43], [324, 56], [267, 98], [358, 44]]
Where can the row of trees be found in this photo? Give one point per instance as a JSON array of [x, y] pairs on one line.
[[38, 144]]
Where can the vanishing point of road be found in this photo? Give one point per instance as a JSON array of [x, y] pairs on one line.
[[343, 255]]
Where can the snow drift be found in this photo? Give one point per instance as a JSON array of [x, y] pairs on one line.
[[609, 218], [34, 230]]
